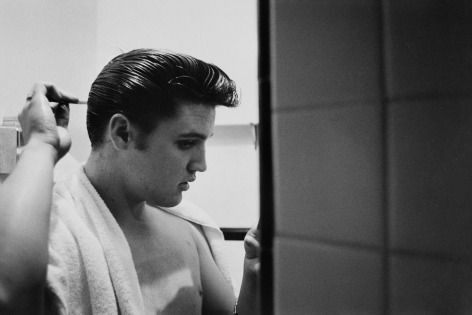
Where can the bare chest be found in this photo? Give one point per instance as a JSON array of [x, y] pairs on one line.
[[166, 259]]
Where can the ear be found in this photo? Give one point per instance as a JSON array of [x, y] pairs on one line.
[[121, 131]]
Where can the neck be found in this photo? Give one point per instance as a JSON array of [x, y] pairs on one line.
[[111, 186]]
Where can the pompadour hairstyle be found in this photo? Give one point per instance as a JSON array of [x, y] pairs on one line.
[[146, 85]]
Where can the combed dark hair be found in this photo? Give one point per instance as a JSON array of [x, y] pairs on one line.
[[146, 86]]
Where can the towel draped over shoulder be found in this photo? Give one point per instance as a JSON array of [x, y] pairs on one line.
[[91, 269]]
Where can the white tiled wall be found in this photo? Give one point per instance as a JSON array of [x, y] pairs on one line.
[[315, 42], [372, 156], [331, 164], [315, 278]]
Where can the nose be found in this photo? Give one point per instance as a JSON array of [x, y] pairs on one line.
[[198, 161]]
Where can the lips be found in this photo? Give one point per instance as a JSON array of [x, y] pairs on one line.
[[189, 180], [185, 185]]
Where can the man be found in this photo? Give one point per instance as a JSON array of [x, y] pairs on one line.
[[97, 245]]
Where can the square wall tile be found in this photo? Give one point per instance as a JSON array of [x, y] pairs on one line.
[[325, 51], [428, 47], [310, 278], [430, 182], [426, 286], [328, 174]]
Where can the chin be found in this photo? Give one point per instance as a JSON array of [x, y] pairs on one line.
[[168, 202]]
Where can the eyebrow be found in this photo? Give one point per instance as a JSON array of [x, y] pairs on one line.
[[194, 135]]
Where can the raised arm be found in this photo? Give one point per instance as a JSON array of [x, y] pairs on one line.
[[25, 201], [248, 301]]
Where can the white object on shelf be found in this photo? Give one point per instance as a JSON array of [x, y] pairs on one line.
[[234, 135], [10, 141]]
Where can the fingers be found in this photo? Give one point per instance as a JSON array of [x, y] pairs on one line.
[[252, 248], [255, 232], [53, 93], [251, 243], [41, 116], [45, 92], [61, 112]]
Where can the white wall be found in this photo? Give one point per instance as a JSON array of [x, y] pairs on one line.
[[47, 41], [222, 32]]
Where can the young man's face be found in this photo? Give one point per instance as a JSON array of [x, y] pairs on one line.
[[175, 152]]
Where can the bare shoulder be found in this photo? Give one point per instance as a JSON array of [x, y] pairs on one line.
[[217, 294]]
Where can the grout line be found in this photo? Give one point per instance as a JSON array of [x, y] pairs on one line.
[[383, 48], [328, 105], [331, 242], [404, 252], [439, 257], [431, 96], [372, 100]]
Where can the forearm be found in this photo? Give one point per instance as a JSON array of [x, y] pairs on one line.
[[25, 203], [248, 301]]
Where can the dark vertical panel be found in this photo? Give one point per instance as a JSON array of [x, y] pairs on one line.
[[266, 169]]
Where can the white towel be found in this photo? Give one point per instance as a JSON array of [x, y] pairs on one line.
[[91, 269], [185, 210], [214, 236]]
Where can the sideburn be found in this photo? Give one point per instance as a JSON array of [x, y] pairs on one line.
[[141, 143]]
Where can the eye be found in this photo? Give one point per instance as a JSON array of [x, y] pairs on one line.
[[186, 144]]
